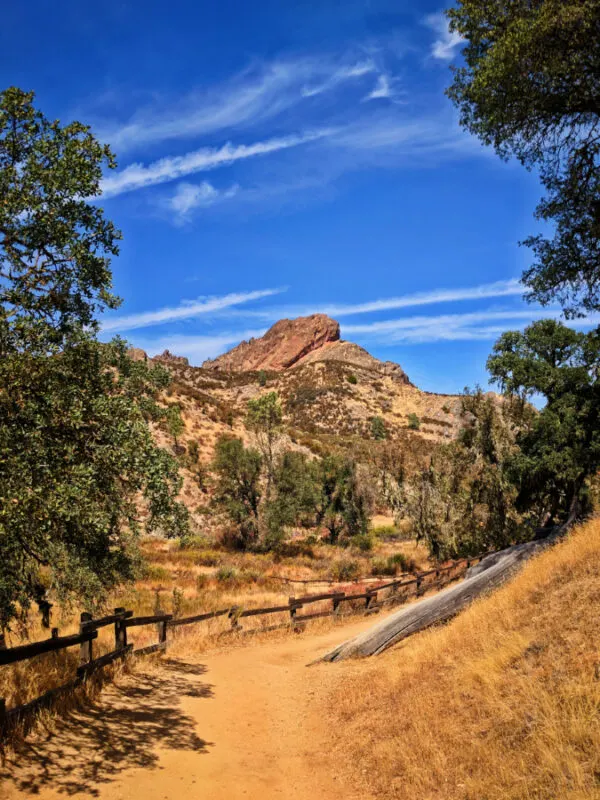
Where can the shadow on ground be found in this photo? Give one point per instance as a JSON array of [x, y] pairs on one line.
[[122, 729]]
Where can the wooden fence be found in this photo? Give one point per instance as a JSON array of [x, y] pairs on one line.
[[368, 602]]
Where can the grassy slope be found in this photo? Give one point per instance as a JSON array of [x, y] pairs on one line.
[[502, 703]]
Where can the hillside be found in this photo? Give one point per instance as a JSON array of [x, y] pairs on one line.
[[502, 703], [330, 391]]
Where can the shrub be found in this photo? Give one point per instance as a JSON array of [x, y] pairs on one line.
[[193, 452], [202, 582], [197, 541], [155, 572], [382, 566], [262, 378], [345, 570], [378, 429], [362, 541], [228, 575], [385, 531], [414, 423], [351, 378]]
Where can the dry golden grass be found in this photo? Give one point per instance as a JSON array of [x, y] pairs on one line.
[[502, 703]]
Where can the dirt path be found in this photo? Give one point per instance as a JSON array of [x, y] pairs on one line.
[[239, 723]]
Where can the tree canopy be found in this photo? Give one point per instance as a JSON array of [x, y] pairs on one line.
[[530, 86], [80, 475], [559, 447]]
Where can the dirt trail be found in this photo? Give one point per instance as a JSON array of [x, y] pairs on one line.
[[238, 723]]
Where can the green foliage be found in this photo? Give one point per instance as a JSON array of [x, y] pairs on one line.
[[463, 501], [351, 378], [413, 422], [345, 569], [392, 565], [154, 572], [262, 378], [530, 87], [237, 488], [344, 505], [559, 447], [229, 576], [175, 424], [264, 419], [363, 542], [77, 460], [193, 451], [296, 495], [378, 429]]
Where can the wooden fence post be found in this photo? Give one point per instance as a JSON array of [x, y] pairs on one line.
[[293, 609], [233, 615], [368, 601], [336, 602], [85, 648], [120, 630], [419, 581], [162, 632]]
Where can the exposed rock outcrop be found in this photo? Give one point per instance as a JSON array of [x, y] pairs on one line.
[[137, 354], [357, 356], [283, 346], [168, 358]]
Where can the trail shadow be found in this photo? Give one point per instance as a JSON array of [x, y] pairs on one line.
[[122, 729]]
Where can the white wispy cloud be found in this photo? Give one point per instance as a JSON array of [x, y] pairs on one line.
[[382, 90], [447, 42], [339, 76], [478, 325], [185, 310], [507, 288], [138, 176], [191, 196], [259, 93], [483, 291]]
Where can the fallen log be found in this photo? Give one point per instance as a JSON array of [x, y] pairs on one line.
[[488, 574]]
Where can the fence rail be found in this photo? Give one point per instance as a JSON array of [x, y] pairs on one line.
[[123, 619]]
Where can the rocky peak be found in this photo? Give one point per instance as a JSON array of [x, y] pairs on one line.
[[283, 346], [168, 358]]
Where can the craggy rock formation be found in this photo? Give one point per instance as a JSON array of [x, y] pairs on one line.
[[356, 356], [284, 345], [137, 354], [168, 358]]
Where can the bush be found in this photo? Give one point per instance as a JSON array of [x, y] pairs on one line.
[[382, 566], [363, 542], [198, 541], [262, 378], [351, 378], [202, 582], [228, 575], [345, 570], [414, 423], [393, 565], [385, 532], [153, 572]]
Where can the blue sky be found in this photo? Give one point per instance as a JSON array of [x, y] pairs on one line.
[[282, 158]]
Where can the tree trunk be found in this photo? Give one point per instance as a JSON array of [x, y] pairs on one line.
[[488, 574]]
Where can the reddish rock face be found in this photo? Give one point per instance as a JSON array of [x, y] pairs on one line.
[[283, 346]]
